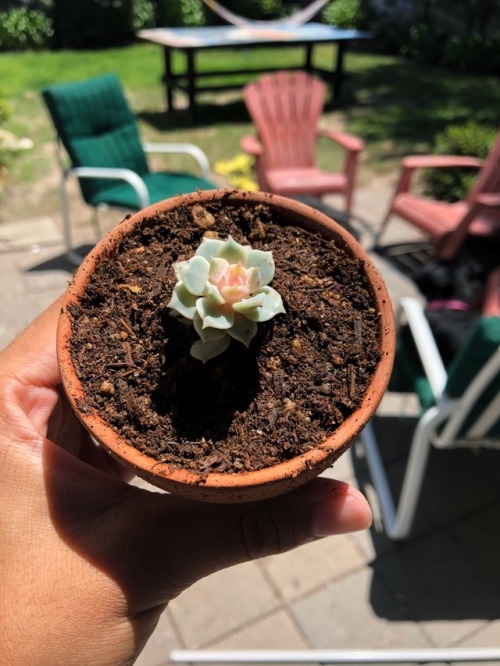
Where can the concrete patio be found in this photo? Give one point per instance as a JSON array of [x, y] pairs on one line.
[[441, 588]]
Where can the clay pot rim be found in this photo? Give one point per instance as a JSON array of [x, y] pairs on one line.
[[323, 454]]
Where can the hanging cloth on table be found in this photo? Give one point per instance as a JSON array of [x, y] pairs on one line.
[[299, 18]]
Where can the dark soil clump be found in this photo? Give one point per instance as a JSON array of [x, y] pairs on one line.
[[303, 374]]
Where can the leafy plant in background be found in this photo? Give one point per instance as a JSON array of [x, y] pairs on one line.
[[143, 15], [238, 171], [23, 28], [470, 139], [188, 13], [346, 14]]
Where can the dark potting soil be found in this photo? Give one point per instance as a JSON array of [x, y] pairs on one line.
[[302, 375]]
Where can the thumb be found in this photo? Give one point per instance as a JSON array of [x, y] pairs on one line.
[[187, 540]]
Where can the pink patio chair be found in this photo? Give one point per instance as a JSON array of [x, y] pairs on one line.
[[448, 224], [285, 108]]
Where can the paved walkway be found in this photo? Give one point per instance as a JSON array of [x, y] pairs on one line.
[[359, 591]]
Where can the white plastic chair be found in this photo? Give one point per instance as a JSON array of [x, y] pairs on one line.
[[465, 409]]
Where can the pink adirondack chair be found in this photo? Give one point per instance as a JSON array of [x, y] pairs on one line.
[[448, 224], [285, 108]]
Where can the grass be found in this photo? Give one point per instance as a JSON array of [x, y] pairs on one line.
[[397, 106]]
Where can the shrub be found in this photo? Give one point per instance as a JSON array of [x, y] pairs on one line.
[[471, 139], [22, 28], [143, 15], [471, 52], [346, 14], [189, 13]]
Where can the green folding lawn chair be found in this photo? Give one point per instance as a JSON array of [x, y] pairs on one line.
[[99, 132], [460, 404]]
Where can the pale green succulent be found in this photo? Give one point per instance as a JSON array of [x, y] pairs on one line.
[[223, 289]]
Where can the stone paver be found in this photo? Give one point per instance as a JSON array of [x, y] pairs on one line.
[[161, 643], [341, 616], [440, 587], [221, 603], [304, 569], [275, 631]]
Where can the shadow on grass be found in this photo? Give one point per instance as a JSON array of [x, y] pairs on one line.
[[210, 113], [401, 104]]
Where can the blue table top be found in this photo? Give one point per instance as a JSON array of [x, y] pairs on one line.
[[231, 35]]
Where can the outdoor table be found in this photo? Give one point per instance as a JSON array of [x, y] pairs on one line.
[[192, 40]]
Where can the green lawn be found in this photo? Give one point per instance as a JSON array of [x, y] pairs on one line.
[[396, 105]]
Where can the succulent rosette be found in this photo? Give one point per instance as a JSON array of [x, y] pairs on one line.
[[224, 291]]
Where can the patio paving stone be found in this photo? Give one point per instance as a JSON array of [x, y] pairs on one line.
[[340, 616], [221, 603], [308, 567]]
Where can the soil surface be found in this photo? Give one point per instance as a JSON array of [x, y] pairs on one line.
[[302, 375]]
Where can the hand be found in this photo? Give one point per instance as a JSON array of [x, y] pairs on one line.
[[88, 562]]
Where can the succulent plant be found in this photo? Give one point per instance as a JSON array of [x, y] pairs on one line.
[[223, 290]]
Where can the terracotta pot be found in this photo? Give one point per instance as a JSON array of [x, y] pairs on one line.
[[245, 486]]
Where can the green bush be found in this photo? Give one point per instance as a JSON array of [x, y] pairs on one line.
[[143, 15], [22, 28], [92, 24], [346, 14], [471, 52], [188, 13], [471, 139], [193, 13]]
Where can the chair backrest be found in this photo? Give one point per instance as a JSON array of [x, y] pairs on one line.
[[96, 127], [285, 108], [474, 377], [488, 180]]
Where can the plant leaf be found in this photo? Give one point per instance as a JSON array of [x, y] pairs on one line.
[[271, 305], [204, 351], [233, 252], [183, 301], [243, 329], [209, 247], [264, 262], [194, 275], [214, 315]]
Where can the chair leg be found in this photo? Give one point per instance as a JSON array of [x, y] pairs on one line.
[[73, 257], [381, 229], [398, 518]]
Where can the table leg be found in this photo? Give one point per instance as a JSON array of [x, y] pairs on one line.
[[191, 83], [309, 58], [338, 73], [168, 78]]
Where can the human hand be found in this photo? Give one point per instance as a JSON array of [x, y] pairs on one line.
[[88, 562]]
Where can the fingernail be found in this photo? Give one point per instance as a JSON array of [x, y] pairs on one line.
[[339, 515]]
